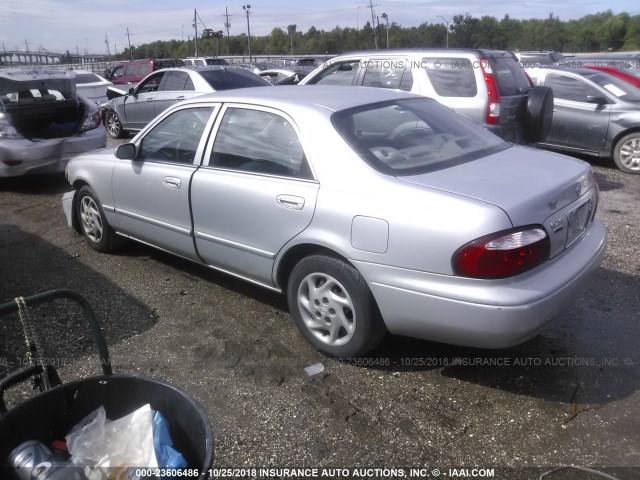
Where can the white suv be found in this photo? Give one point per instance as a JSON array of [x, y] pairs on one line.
[[488, 86]]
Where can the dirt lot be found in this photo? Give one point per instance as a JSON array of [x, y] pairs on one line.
[[569, 396]]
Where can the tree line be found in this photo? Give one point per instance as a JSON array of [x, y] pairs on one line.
[[602, 31]]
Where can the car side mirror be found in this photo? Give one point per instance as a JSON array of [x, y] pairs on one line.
[[597, 99], [126, 151], [131, 91]]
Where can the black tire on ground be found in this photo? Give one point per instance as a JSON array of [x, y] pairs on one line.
[[333, 307], [93, 224], [113, 125], [626, 154], [538, 115]]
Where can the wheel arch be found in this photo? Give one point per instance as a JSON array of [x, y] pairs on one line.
[[616, 139], [77, 185], [292, 256]]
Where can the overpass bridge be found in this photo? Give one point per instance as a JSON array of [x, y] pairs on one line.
[[44, 57]]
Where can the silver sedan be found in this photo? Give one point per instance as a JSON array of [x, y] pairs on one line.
[[373, 210], [162, 88]]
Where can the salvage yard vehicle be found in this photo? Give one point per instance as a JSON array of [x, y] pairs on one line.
[[44, 122], [135, 70], [596, 113], [161, 89], [92, 86], [488, 86], [374, 210]]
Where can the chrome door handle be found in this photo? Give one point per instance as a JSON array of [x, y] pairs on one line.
[[290, 201], [181, 97], [171, 182], [150, 99]]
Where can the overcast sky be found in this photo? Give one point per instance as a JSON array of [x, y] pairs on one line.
[[58, 25]]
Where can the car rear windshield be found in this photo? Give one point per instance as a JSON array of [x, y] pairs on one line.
[[413, 136], [510, 75], [227, 79], [616, 86], [82, 78]]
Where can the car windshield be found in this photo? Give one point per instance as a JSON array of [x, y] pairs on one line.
[[227, 79], [614, 85], [413, 136]]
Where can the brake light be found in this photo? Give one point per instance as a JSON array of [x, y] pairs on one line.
[[493, 110], [503, 254], [12, 163], [530, 79], [91, 122]]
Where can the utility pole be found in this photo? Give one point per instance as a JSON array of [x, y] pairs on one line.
[[106, 42], [227, 25], [373, 23], [447, 23], [247, 9], [195, 25], [129, 39]]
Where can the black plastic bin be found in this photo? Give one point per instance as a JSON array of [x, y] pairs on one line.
[[51, 414]]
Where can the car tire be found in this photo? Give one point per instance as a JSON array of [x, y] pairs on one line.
[[333, 307], [626, 154], [114, 125], [93, 224], [538, 115]]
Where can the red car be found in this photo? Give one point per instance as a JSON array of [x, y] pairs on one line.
[[635, 81]]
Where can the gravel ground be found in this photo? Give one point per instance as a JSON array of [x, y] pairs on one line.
[[567, 397]]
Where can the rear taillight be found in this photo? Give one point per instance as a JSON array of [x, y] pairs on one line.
[[530, 80], [503, 254], [12, 163], [91, 122], [493, 110]]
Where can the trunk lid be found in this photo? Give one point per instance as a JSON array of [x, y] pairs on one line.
[[530, 186], [41, 104], [13, 80]]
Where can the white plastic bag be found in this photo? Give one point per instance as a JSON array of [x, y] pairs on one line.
[[97, 442]]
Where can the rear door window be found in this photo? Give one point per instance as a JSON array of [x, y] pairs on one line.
[[254, 141], [177, 81], [143, 69], [568, 88], [451, 77], [388, 73]]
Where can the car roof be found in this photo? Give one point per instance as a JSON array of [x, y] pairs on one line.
[[315, 97], [577, 71], [397, 51]]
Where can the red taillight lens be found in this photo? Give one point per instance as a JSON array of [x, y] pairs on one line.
[[91, 122], [503, 254], [493, 110], [530, 80]]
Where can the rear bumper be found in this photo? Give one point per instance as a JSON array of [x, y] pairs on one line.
[[509, 133], [46, 156], [483, 313]]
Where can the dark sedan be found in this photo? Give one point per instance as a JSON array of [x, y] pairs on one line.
[[161, 89], [595, 113]]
